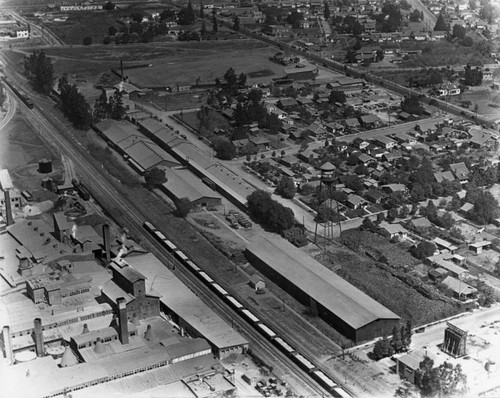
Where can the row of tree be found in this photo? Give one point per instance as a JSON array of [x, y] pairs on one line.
[[105, 108], [399, 342], [269, 212], [73, 104]]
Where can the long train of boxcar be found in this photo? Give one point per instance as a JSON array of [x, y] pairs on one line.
[[304, 363]]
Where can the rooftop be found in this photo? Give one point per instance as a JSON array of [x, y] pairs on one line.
[[327, 288]]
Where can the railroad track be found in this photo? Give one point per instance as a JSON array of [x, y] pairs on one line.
[[108, 193]]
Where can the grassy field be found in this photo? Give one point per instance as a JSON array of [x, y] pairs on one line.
[[20, 150], [172, 62], [444, 53]]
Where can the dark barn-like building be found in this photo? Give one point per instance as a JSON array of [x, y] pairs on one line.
[[347, 309]]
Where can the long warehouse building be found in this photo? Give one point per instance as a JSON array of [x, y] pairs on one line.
[[349, 310]]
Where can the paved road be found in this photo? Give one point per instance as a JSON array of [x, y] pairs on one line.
[[434, 335], [429, 18]]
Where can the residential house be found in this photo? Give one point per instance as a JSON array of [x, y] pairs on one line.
[[392, 156], [287, 103], [364, 159], [351, 123], [461, 290], [478, 247], [392, 188], [460, 171], [316, 130], [392, 231], [335, 128], [354, 201], [260, 142], [405, 139], [444, 176], [421, 222], [375, 196], [384, 142], [370, 121], [360, 143], [444, 246]]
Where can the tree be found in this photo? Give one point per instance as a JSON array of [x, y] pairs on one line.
[[326, 12], [202, 14], [411, 104], [286, 188], [415, 16], [187, 15], [445, 380], [473, 77], [203, 30], [396, 341], [215, 24], [423, 250], [236, 24], [137, 17], [458, 32], [101, 108], [224, 149], [204, 118], [380, 55], [269, 212], [382, 348], [116, 108], [440, 24], [112, 31], [106, 40], [337, 96], [294, 19], [242, 81], [231, 80], [392, 213], [40, 71], [108, 6], [183, 207], [73, 104], [485, 208], [350, 57], [155, 177]]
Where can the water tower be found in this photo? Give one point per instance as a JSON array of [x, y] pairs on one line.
[[326, 181]]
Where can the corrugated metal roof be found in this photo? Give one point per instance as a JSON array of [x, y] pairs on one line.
[[337, 295], [184, 184]]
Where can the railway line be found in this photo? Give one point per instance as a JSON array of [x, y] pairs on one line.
[[109, 195]]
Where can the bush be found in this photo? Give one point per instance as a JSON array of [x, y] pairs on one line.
[[87, 41], [106, 40]]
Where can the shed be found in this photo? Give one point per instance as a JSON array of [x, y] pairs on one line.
[[257, 283]]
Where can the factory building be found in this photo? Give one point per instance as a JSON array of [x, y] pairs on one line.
[[129, 285], [186, 309], [349, 310]]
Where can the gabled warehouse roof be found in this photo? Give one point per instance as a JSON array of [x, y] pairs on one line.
[[331, 291]]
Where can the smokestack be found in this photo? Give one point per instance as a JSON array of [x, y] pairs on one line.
[[107, 242], [39, 345], [8, 208], [7, 345], [121, 67], [149, 335], [122, 320]]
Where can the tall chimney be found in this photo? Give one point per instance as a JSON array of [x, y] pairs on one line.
[[7, 345], [39, 345], [8, 208], [107, 242], [122, 320]]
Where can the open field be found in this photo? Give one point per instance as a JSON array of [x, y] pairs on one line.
[[444, 53], [20, 150], [172, 62]]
